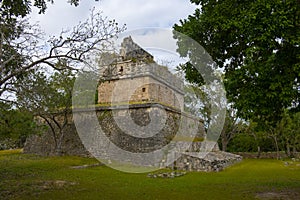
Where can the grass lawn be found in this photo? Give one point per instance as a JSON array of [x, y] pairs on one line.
[[33, 177]]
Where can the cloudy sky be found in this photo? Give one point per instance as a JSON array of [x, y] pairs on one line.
[[136, 14], [133, 13]]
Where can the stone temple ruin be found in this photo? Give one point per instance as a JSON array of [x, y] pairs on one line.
[[134, 87], [135, 78]]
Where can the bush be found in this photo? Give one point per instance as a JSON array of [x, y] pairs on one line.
[[247, 143]]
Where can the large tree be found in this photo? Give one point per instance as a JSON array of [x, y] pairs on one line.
[[23, 47], [50, 100], [257, 45], [232, 126]]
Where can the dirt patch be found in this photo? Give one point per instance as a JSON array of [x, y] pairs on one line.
[[278, 195], [55, 184], [86, 166]]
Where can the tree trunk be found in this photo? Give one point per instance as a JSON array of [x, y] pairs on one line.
[[274, 137], [288, 149], [258, 151], [293, 153], [257, 143], [224, 144], [58, 150], [277, 147]]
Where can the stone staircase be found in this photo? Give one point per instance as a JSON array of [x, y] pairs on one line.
[[207, 161], [204, 156]]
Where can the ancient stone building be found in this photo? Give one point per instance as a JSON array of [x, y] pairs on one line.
[[134, 89], [134, 78]]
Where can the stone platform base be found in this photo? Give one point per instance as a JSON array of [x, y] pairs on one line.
[[209, 162]]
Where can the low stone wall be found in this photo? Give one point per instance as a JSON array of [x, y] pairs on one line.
[[210, 161], [272, 155]]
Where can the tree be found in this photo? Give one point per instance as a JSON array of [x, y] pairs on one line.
[[197, 102], [288, 130], [23, 7], [252, 138], [15, 126], [295, 127], [21, 47], [257, 44], [258, 135], [233, 126], [49, 99]]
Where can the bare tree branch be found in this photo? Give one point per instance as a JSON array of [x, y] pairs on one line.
[[24, 52]]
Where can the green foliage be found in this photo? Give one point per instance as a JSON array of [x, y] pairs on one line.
[[42, 94], [49, 99], [288, 130], [16, 8], [15, 126], [23, 7], [232, 126], [257, 43], [191, 74], [247, 143], [285, 137], [197, 102], [86, 90], [242, 143]]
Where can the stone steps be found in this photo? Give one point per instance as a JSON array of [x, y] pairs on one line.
[[205, 161]]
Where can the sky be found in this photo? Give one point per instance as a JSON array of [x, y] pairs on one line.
[[133, 13], [155, 16]]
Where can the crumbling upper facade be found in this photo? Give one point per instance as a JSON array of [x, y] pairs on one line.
[[135, 78]]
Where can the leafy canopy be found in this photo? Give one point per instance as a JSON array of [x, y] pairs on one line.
[[23, 7], [257, 45]]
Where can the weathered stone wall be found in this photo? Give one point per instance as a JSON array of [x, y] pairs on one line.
[[124, 91], [140, 114], [135, 77], [44, 144], [139, 89], [131, 50], [71, 144], [131, 69]]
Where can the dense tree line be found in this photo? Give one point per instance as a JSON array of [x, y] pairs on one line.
[[15, 126], [252, 138], [257, 45]]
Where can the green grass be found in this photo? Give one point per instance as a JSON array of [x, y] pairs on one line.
[[33, 177]]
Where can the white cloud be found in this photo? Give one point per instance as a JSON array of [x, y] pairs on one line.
[[61, 15], [138, 15], [148, 13], [133, 13]]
